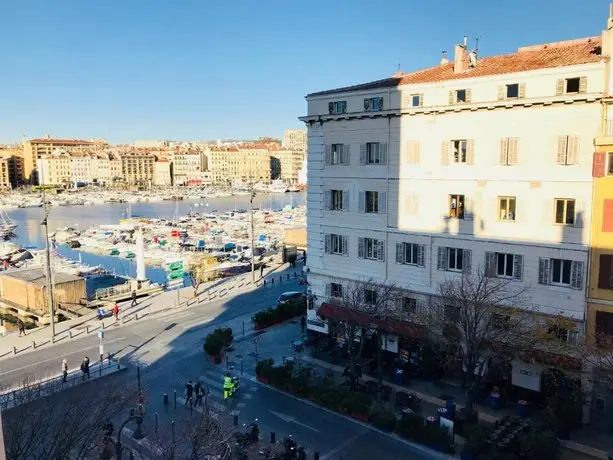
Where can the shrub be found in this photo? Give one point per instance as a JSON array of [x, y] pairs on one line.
[[383, 419], [281, 375], [264, 368], [280, 313], [225, 334], [413, 427], [213, 345], [356, 402]]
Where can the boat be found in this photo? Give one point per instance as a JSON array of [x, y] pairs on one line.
[[6, 224], [293, 188], [277, 186]]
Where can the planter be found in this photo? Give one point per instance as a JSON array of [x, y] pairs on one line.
[[360, 417], [262, 379], [217, 358]]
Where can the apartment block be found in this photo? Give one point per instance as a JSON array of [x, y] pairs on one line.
[[161, 173], [295, 139], [13, 158], [186, 168], [138, 169], [246, 164], [475, 164], [55, 169], [287, 164]]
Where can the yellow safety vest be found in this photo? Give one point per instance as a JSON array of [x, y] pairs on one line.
[[227, 382]]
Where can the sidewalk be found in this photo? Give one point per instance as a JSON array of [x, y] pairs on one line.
[[227, 288]]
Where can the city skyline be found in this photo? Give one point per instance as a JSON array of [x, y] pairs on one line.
[[164, 73]]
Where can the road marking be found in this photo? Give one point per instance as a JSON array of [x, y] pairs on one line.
[[58, 358], [342, 446], [247, 396], [240, 405], [290, 419]]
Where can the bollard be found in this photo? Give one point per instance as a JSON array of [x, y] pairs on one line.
[[316, 456], [235, 419], [264, 283], [102, 325], [14, 350], [288, 276], [241, 367], [70, 333], [273, 437], [109, 358], [175, 399], [34, 344], [136, 316], [87, 329], [243, 328], [227, 363], [118, 365], [272, 280], [156, 423], [280, 278], [172, 428], [295, 274], [165, 399]]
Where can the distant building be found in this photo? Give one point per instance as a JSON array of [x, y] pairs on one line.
[[161, 173], [295, 139], [286, 165], [150, 144], [186, 168], [81, 166], [250, 165], [138, 169], [55, 168], [13, 159]]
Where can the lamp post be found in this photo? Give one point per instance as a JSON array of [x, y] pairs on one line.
[[252, 238], [138, 434], [45, 222]]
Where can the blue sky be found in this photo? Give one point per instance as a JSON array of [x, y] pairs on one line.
[[202, 69]]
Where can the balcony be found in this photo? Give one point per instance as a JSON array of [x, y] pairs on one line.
[[606, 137]]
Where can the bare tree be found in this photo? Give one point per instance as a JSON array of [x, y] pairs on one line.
[[39, 423], [366, 303], [481, 318], [199, 270]]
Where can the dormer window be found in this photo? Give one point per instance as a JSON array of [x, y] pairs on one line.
[[373, 104], [337, 107], [460, 95], [513, 91], [572, 85]]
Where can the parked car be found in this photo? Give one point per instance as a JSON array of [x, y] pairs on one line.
[[290, 296]]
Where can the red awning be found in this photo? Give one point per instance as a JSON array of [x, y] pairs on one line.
[[391, 326]]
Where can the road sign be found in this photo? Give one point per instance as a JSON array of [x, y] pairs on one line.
[[176, 266], [175, 275], [255, 341], [175, 270]]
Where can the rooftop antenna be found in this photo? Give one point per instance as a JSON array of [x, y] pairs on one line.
[[398, 68]]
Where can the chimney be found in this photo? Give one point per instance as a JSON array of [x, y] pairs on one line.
[[610, 21], [460, 63], [444, 59]]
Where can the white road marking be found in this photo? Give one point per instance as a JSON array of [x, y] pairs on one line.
[[240, 405], [247, 396], [341, 446], [59, 358]]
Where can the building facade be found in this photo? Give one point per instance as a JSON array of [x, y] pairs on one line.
[[82, 168], [287, 164], [295, 139], [138, 169], [14, 165], [249, 165], [161, 173], [55, 169], [186, 168], [407, 187]]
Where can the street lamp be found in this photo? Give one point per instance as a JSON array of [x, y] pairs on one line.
[[252, 238], [138, 434]]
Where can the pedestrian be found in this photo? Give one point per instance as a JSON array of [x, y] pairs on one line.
[[199, 390], [86, 361], [302, 324], [189, 393], [134, 303], [262, 270], [83, 369], [304, 258], [64, 370], [22, 327], [116, 311]]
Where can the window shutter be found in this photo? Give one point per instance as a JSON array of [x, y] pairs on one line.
[[408, 205], [598, 164], [328, 155], [579, 213], [501, 91], [468, 209], [443, 260], [543, 271], [330, 107], [382, 198], [399, 253], [451, 97], [362, 154], [576, 275], [421, 99], [560, 87], [490, 264], [345, 154], [562, 145], [328, 289], [604, 271], [573, 150], [416, 152], [345, 246], [469, 95], [421, 253], [504, 146], [381, 250], [366, 105], [383, 152], [328, 244], [466, 261], [470, 152], [360, 248], [512, 157], [518, 267], [583, 85], [522, 91], [328, 200], [415, 204], [445, 153], [345, 200], [362, 202]]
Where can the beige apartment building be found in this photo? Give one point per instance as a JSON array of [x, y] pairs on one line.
[[161, 173], [14, 165], [138, 169], [250, 165], [295, 139], [55, 168], [286, 165], [34, 149], [186, 168]]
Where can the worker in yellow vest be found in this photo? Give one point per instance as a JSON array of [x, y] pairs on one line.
[[227, 386]]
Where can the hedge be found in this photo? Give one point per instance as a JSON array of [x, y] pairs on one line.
[[278, 314]]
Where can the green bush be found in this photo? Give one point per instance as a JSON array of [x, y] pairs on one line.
[[414, 428], [264, 368], [213, 345], [281, 376], [539, 446], [356, 402], [382, 418], [280, 313]]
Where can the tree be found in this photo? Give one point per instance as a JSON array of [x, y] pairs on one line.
[[366, 304], [200, 270], [479, 319]]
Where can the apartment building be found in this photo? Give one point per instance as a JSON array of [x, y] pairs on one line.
[[14, 165], [82, 168], [138, 169], [186, 168], [246, 164], [295, 139], [35, 149], [475, 164], [287, 164], [55, 168], [161, 173]]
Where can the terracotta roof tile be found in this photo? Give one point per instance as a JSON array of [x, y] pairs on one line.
[[62, 141], [549, 55]]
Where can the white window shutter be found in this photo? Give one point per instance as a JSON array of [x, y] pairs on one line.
[[466, 261], [501, 92], [328, 289], [416, 153], [328, 154], [583, 85], [522, 90], [504, 148], [328, 200], [451, 97], [362, 154], [345, 246], [518, 266], [543, 271], [470, 152], [559, 87], [345, 200], [469, 95], [562, 146], [360, 248], [381, 250], [383, 152], [512, 158], [346, 154], [382, 197], [421, 255], [490, 264], [443, 259], [328, 244], [399, 253], [573, 150], [468, 209], [362, 202], [576, 275]]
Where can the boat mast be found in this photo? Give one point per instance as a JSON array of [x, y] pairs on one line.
[[252, 238], [48, 261]]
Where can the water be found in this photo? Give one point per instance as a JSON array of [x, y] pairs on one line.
[[31, 233]]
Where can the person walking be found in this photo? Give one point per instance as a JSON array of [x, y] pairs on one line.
[[22, 327], [116, 311], [302, 323], [189, 393], [83, 369], [227, 386], [262, 267], [86, 361], [199, 390], [64, 370], [134, 302]]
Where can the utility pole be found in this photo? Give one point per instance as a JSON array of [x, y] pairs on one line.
[[48, 260], [252, 238]]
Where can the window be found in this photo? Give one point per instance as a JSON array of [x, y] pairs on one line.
[[370, 248], [336, 290], [372, 202], [572, 85], [456, 206], [337, 107], [508, 151], [506, 208], [370, 296], [410, 254], [513, 91], [337, 200], [501, 322], [373, 153], [460, 95], [459, 150], [570, 337], [561, 271], [605, 271], [600, 403], [409, 304], [565, 211], [336, 244], [336, 154], [604, 328], [610, 164], [373, 104], [504, 265], [456, 259], [568, 151], [416, 100]]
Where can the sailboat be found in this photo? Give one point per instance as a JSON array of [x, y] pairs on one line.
[[7, 226]]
